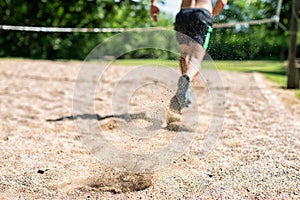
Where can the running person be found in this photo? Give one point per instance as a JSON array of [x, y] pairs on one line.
[[193, 25]]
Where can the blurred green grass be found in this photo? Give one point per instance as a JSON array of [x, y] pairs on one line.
[[143, 62], [273, 70], [298, 94]]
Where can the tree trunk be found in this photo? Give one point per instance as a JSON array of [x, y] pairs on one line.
[[293, 72]]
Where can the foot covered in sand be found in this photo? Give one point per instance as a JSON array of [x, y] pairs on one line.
[[182, 98], [179, 101]]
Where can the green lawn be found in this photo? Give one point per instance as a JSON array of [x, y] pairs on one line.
[[140, 62], [273, 70], [298, 94]]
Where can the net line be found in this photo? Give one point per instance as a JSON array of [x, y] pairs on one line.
[[274, 19], [76, 30], [119, 30]]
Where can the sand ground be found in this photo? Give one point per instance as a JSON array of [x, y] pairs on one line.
[[256, 155]]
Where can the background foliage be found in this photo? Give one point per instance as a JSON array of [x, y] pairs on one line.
[[237, 43], [266, 41]]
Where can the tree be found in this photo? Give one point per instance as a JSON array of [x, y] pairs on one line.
[[55, 13], [263, 41], [293, 72]]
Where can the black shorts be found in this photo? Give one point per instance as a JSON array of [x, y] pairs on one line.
[[195, 23]]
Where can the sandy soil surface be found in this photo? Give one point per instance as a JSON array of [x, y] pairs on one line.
[[256, 155]]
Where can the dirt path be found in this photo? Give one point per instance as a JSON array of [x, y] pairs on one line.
[[41, 155]]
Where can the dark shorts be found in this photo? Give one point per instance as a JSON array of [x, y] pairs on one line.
[[195, 23]]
